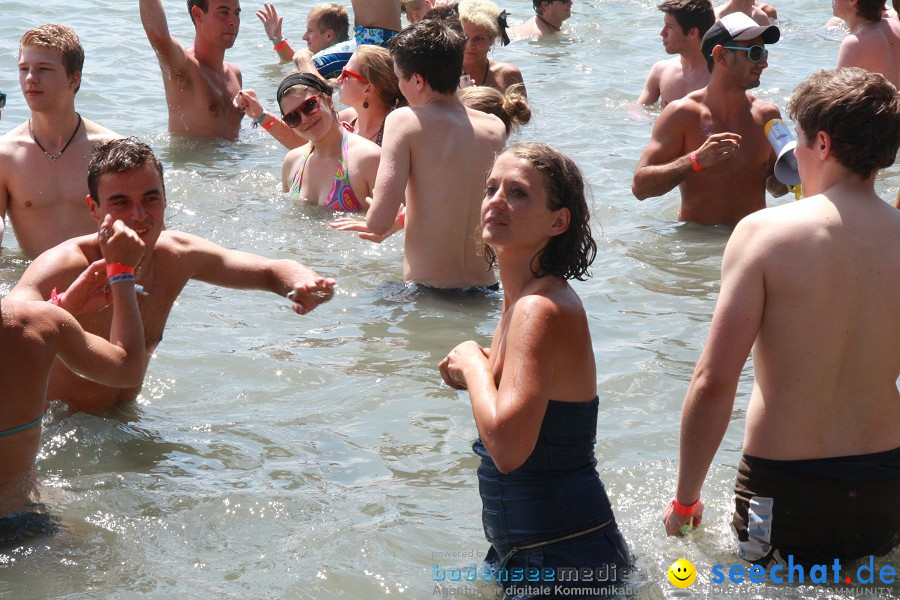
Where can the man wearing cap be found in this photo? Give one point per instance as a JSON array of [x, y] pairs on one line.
[[873, 43], [711, 143], [548, 19]]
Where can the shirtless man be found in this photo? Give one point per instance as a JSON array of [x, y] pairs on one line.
[[43, 161], [327, 25], [199, 83], [125, 181], [711, 143], [435, 157], [811, 286], [548, 19], [32, 334], [748, 7], [873, 43], [684, 24]]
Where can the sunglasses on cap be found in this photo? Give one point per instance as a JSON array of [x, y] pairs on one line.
[[754, 53], [345, 73], [308, 107]]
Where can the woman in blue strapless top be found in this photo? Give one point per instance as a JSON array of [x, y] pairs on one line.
[[534, 392]]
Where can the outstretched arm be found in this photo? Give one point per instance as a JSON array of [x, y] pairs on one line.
[[170, 53], [247, 101], [710, 397], [272, 24]]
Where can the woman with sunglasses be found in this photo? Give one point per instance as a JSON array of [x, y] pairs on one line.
[[483, 24], [370, 89], [336, 169]]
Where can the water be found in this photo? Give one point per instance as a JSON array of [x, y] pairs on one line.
[[277, 456]]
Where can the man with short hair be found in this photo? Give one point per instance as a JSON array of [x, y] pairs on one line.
[[748, 7], [812, 288], [43, 161], [711, 143], [199, 84], [436, 156], [327, 27], [684, 24], [873, 43], [548, 18], [125, 180]]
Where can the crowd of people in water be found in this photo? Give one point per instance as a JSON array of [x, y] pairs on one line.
[[421, 147]]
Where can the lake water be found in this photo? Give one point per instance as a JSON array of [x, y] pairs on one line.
[[277, 456]]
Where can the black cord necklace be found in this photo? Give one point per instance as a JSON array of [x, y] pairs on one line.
[[542, 20], [53, 157]]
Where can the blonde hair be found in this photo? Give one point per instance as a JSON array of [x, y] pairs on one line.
[[511, 106], [61, 38], [331, 16], [377, 66], [481, 13]]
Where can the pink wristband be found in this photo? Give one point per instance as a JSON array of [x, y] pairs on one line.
[[118, 269], [55, 298], [268, 123], [682, 510], [697, 166], [281, 45]]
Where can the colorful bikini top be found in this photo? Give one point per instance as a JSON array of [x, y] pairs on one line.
[[341, 195]]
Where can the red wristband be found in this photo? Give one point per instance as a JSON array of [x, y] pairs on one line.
[[55, 298], [697, 167], [682, 510], [118, 269], [269, 123], [402, 218], [281, 45]]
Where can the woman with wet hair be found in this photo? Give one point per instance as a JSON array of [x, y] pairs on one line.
[[534, 391]]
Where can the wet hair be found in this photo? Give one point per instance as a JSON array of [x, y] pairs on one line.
[[870, 9], [481, 13], [376, 65], [61, 38], [201, 4], [122, 155], [449, 14], [569, 254], [331, 16], [432, 50], [690, 13], [511, 106], [860, 112]]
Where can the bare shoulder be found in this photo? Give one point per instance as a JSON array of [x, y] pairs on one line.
[[507, 74], [765, 109], [97, 132], [487, 126], [404, 117], [364, 149], [550, 308]]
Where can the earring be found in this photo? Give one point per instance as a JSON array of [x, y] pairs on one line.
[[366, 103]]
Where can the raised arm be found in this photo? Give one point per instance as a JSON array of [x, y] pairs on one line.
[[272, 24], [664, 163], [247, 101], [214, 264], [393, 172], [170, 53], [710, 396]]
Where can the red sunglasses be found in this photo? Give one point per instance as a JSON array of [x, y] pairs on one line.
[[345, 73], [308, 107]]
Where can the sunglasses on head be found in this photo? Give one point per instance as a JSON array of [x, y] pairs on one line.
[[345, 73], [754, 53], [308, 107]]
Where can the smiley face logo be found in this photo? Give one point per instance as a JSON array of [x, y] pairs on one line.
[[682, 573]]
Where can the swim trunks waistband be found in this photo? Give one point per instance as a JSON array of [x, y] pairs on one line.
[[373, 36], [879, 466]]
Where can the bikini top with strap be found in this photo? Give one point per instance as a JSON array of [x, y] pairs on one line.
[[21, 427], [341, 195]]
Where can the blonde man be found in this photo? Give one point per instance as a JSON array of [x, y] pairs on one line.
[[43, 161]]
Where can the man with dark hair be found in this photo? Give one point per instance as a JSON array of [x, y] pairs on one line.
[[873, 43], [711, 143], [684, 24], [435, 158], [199, 84], [811, 287], [43, 160], [548, 18], [125, 179]]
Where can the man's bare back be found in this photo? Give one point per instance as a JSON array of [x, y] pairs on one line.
[[827, 356], [748, 7], [669, 80], [874, 46], [199, 84], [44, 198]]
